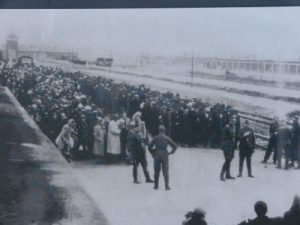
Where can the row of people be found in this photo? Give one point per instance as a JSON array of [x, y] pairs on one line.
[[246, 139], [284, 142], [51, 96]]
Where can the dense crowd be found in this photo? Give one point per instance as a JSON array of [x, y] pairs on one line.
[[52, 96], [98, 112]]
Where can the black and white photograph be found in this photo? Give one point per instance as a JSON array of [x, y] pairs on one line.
[[150, 116]]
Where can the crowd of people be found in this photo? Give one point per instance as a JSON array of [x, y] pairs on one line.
[[284, 142], [52, 97], [102, 109], [89, 116]]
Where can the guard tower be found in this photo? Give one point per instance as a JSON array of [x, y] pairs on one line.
[[12, 48]]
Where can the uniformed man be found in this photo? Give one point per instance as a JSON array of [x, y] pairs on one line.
[[228, 147], [246, 148], [158, 148], [272, 144], [284, 145], [295, 137], [137, 151]]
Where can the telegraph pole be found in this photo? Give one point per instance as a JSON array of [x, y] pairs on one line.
[[192, 73]]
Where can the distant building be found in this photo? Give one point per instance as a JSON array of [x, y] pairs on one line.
[[46, 54], [259, 66], [14, 51], [106, 62], [243, 65], [1, 55], [12, 48]]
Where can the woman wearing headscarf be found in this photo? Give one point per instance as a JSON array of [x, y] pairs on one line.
[[98, 148]]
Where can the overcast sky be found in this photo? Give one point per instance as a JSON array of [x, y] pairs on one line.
[[224, 32]]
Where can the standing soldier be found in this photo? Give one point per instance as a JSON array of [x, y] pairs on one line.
[[272, 145], [138, 153], [297, 140], [228, 149], [284, 145], [246, 147], [294, 141], [161, 155], [237, 127]]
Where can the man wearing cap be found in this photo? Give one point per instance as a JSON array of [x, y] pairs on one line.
[[295, 142], [228, 147], [246, 148], [137, 151], [272, 144], [284, 144], [158, 149]]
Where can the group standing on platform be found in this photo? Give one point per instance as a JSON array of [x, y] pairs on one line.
[[91, 116], [52, 97], [95, 117], [284, 142], [101, 110]]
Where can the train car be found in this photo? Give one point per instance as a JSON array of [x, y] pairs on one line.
[[230, 76], [25, 60], [79, 62], [105, 62]]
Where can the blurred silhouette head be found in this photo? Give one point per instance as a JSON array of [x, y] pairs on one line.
[[260, 208]]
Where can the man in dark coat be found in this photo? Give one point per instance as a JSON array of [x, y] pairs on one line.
[[272, 144], [295, 142], [284, 145], [246, 148], [138, 153], [228, 150], [158, 149]]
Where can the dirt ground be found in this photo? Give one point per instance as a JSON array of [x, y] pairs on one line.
[[36, 183], [25, 194]]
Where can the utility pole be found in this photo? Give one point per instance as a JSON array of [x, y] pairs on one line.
[[192, 73]]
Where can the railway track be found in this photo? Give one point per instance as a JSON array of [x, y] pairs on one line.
[[260, 125]]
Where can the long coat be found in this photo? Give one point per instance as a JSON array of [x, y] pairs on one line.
[[113, 139], [98, 148], [228, 141], [247, 141], [64, 138]]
